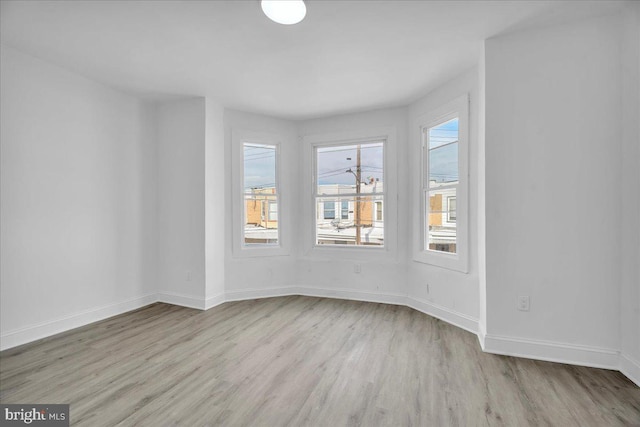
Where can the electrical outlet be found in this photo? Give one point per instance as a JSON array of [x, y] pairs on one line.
[[523, 303], [357, 268]]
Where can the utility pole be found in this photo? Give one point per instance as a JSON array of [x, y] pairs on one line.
[[358, 195]]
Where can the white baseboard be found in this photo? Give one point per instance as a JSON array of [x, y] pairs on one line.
[[46, 329], [183, 300], [550, 351], [630, 368], [214, 301], [456, 318], [482, 333], [245, 294], [352, 294]]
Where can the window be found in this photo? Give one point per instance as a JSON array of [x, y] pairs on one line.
[[444, 186], [273, 211], [451, 209], [329, 210], [260, 194], [378, 211], [441, 183], [349, 187], [344, 210]]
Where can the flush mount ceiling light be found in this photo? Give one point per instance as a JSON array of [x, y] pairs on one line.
[[286, 12]]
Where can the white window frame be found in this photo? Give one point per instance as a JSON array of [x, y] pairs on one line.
[[458, 261], [337, 203], [311, 250], [239, 137]]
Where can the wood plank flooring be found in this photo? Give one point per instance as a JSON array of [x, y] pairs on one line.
[[302, 361]]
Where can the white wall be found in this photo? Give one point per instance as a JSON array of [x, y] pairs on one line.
[[451, 294], [381, 278], [77, 200], [215, 213], [181, 132], [249, 276], [553, 150], [630, 195], [481, 208], [191, 214]]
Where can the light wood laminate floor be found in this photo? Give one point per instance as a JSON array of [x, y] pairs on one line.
[[301, 361]]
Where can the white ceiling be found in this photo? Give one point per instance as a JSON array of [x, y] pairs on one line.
[[345, 56]]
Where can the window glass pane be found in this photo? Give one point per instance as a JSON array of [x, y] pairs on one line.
[[441, 220], [340, 231], [261, 218], [443, 153], [259, 167], [260, 196], [340, 167]]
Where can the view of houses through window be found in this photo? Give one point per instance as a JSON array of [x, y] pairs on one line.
[[349, 193], [440, 185], [260, 194]]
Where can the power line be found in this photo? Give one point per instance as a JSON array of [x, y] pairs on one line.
[[336, 170]]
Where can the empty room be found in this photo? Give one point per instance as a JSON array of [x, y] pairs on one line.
[[319, 213]]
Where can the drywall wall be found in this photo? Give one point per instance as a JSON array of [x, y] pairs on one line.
[[215, 214], [383, 271], [181, 129], [553, 150], [247, 275], [630, 195], [78, 206], [481, 205], [451, 295]]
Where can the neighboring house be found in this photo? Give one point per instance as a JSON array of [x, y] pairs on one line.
[[261, 208], [442, 220], [336, 216]]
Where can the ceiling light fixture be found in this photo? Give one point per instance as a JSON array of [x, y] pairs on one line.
[[286, 12]]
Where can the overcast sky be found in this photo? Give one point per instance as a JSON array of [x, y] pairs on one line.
[[333, 162]]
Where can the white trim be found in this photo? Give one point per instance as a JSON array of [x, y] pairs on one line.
[[255, 293], [630, 368], [459, 107], [482, 333], [238, 138], [453, 317], [46, 329], [385, 134], [572, 354], [214, 301], [353, 294], [183, 300]]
